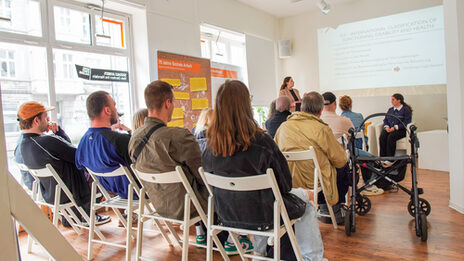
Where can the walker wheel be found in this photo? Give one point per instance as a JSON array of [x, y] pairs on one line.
[[363, 205], [423, 226], [423, 204]]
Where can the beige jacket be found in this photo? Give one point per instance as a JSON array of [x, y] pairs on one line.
[[287, 93], [302, 130], [167, 148]]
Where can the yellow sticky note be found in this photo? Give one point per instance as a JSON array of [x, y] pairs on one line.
[[199, 104], [198, 84], [178, 113], [179, 123], [173, 82], [182, 95]]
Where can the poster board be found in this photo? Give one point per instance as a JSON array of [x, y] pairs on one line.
[[221, 72], [191, 79]]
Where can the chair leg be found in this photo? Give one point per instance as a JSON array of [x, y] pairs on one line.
[[129, 224], [29, 243], [138, 251], [56, 207], [209, 233], [185, 239], [332, 216], [238, 245], [174, 233], [92, 221]]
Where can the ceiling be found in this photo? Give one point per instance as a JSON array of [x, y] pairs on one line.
[[284, 8]]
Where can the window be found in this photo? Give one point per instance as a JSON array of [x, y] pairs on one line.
[[25, 65], [21, 17], [109, 32], [224, 47], [72, 25], [5, 9], [7, 63], [68, 66]]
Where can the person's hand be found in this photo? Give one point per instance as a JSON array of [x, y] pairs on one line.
[[53, 126], [389, 130], [119, 126]]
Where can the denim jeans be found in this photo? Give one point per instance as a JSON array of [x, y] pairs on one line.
[[307, 232]]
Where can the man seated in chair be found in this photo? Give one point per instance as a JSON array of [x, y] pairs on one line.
[[166, 148], [101, 149], [37, 149], [304, 129]]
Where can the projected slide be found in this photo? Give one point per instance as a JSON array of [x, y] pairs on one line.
[[405, 49]]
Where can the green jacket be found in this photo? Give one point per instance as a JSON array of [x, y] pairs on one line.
[[167, 148], [299, 132]]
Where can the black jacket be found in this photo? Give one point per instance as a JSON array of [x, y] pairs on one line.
[[273, 123], [252, 209], [38, 150]]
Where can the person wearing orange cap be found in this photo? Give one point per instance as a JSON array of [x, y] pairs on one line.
[[37, 149]]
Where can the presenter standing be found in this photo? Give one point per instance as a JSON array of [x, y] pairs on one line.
[[393, 129], [292, 93]]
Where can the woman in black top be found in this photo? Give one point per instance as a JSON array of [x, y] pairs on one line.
[[287, 89]]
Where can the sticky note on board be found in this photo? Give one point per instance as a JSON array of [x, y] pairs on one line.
[[182, 95], [199, 104], [173, 82], [198, 84], [179, 123], [178, 113]]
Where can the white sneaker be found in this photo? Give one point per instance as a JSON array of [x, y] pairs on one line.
[[372, 191]]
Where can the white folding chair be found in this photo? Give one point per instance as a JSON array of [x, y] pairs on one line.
[[115, 203], [177, 176], [58, 208], [311, 155], [250, 183]]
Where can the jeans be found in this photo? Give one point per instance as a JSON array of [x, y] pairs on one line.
[[307, 232]]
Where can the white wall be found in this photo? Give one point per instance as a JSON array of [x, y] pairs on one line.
[[454, 38], [174, 25], [428, 102]]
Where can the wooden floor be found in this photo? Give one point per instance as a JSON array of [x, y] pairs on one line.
[[385, 233]]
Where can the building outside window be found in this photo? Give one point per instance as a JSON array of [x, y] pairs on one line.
[[41, 66]]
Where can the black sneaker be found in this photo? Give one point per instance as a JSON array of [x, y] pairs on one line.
[[101, 219]]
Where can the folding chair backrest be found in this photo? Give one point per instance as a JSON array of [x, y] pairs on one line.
[[171, 177], [249, 183], [49, 171], [121, 171], [160, 178], [41, 173], [22, 167], [306, 155]]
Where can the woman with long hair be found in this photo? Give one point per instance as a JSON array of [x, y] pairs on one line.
[[393, 129], [238, 147], [287, 89]]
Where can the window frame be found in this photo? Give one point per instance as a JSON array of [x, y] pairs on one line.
[[49, 42]]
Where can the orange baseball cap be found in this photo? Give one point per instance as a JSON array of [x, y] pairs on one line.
[[30, 109]]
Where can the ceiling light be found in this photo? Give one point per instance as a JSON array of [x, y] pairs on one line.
[[324, 6]]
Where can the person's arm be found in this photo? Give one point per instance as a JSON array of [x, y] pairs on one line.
[[62, 134], [122, 147], [297, 94], [185, 150], [407, 116], [59, 148], [333, 150]]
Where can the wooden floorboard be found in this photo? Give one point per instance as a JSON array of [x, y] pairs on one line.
[[385, 233]]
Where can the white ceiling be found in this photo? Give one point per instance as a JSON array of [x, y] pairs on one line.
[[284, 8]]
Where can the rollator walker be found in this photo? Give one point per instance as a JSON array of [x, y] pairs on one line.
[[418, 208]]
